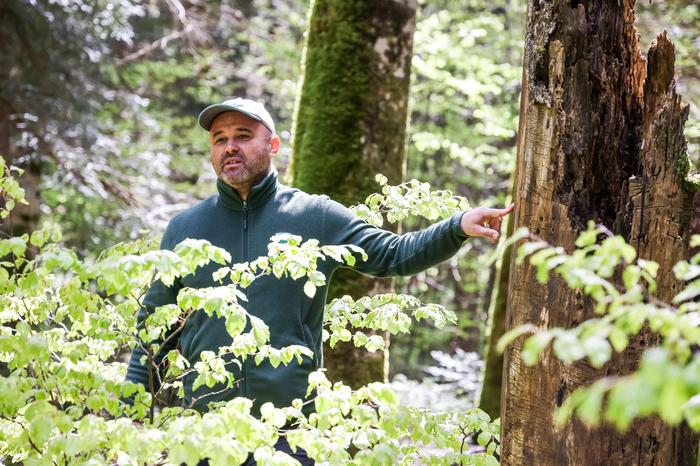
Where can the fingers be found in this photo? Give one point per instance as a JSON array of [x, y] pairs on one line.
[[492, 218], [494, 224], [484, 222], [484, 232], [499, 212]]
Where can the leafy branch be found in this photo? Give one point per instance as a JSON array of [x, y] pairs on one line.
[[625, 310], [411, 198]]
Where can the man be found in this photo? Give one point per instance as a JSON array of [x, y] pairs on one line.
[[251, 206]]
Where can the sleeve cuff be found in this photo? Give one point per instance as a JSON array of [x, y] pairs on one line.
[[456, 226]]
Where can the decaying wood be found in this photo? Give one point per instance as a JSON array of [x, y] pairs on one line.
[[601, 138]]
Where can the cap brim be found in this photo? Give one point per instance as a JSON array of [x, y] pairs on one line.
[[207, 116]]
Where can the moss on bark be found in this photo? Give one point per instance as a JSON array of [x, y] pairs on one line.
[[350, 123], [490, 396]]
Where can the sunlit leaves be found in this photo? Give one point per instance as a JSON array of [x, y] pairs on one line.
[[10, 190], [64, 320], [411, 198], [389, 312], [385, 432], [621, 285], [282, 356]]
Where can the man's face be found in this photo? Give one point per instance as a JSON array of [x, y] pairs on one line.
[[241, 150]]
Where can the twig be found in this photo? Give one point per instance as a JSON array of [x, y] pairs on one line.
[[160, 43], [461, 447]]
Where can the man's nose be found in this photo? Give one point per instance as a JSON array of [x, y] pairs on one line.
[[231, 146]]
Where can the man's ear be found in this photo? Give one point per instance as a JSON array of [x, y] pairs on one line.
[[274, 144]]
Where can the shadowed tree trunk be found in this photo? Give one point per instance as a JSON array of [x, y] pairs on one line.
[[22, 63], [490, 396], [24, 218], [602, 139], [350, 124], [491, 387]]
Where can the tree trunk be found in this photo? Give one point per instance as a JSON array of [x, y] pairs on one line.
[[492, 385], [350, 124], [490, 396], [24, 218], [602, 140]]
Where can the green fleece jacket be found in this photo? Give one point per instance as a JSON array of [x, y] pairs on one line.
[[244, 229]]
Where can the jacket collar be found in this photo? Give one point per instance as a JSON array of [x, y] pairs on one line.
[[260, 193]]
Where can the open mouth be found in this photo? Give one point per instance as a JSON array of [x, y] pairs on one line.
[[232, 163]]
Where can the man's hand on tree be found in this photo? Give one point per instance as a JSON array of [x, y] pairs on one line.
[[484, 222]]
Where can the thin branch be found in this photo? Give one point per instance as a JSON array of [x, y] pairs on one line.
[[461, 447], [194, 400], [157, 44]]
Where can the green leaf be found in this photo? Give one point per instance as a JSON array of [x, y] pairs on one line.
[[317, 278], [691, 291], [309, 289], [568, 348], [39, 237], [275, 357], [382, 394], [598, 350], [359, 339], [588, 237], [671, 400], [261, 332], [618, 339], [589, 407], [631, 276], [528, 249], [235, 319], [533, 347], [483, 438], [221, 274], [374, 343], [511, 335]]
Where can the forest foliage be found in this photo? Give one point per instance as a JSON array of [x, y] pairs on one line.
[[65, 321], [622, 286], [101, 98]]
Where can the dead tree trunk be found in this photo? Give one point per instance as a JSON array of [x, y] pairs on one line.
[[602, 139]]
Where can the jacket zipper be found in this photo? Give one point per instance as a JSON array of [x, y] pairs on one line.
[[245, 258]]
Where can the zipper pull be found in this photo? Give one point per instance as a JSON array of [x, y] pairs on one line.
[[245, 215]]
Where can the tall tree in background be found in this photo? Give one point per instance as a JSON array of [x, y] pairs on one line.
[[98, 99], [491, 386], [464, 104], [350, 124], [602, 139], [61, 111], [49, 80]]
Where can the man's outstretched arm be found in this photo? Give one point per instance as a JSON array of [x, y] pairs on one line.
[[390, 254]]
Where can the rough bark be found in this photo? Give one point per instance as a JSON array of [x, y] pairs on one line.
[[350, 124], [602, 140]]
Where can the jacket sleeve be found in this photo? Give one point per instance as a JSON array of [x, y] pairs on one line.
[[157, 295], [390, 254]]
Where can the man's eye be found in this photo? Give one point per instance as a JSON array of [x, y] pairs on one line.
[[243, 137], [220, 141]]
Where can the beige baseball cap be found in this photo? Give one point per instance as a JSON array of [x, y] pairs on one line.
[[251, 108]]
